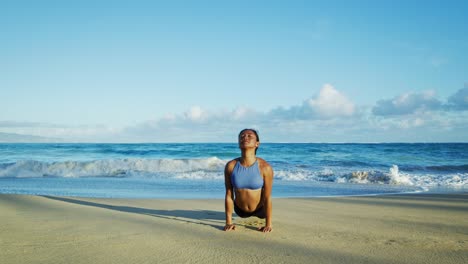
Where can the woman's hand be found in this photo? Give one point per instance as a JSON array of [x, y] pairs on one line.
[[265, 229], [229, 227]]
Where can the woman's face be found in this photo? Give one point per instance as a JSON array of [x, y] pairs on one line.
[[248, 139]]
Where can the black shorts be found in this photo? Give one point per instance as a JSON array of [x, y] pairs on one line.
[[260, 212]]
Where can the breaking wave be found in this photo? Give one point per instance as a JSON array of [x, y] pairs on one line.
[[393, 176], [110, 168], [212, 169]]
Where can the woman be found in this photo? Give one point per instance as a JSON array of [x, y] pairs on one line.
[[248, 180]]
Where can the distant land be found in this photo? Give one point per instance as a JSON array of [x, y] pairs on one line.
[[18, 138]]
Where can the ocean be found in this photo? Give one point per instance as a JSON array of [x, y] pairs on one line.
[[192, 171]]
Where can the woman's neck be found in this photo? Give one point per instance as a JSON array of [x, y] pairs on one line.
[[248, 158]]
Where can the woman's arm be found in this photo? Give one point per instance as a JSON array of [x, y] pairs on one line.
[[267, 172], [229, 198]]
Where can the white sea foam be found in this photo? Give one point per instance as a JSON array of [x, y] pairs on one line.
[[391, 177], [110, 168], [200, 175], [212, 169], [432, 180]]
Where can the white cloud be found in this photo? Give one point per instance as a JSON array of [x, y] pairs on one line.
[[17, 124], [411, 123], [242, 112], [66, 133], [331, 103], [407, 103], [459, 100], [200, 125], [328, 116], [195, 114]]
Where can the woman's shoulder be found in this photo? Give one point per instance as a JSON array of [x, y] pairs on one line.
[[263, 163], [232, 162], [265, 168]]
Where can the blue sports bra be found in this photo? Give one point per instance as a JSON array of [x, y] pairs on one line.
[[246, 177]]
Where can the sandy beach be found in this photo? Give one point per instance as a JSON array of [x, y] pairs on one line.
[[420, 228]]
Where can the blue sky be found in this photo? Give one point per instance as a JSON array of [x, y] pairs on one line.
[[200, 71]]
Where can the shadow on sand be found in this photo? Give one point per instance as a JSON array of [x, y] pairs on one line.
[[214, 219]]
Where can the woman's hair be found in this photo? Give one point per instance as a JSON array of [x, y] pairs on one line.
[[255, 132]]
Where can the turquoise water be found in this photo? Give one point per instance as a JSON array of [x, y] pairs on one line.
[[196, 170]]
